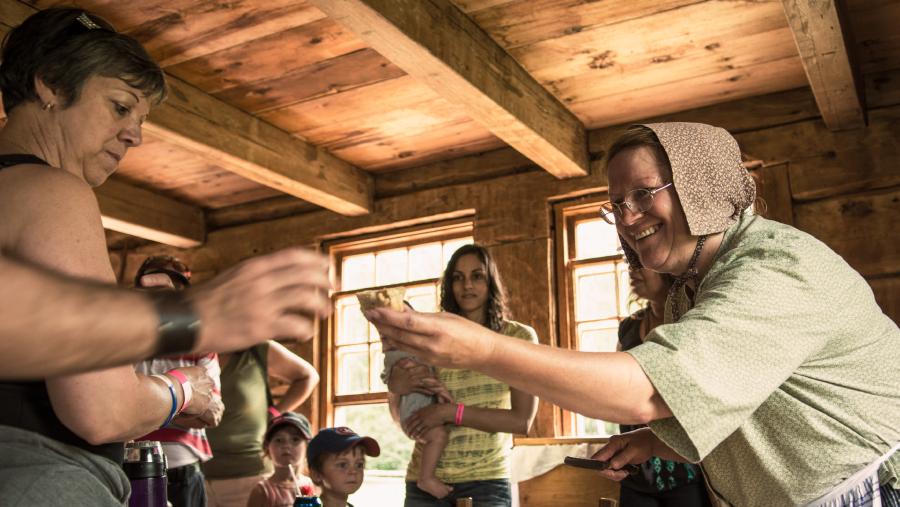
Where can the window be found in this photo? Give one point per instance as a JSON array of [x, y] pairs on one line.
[[593, 292], [355, 394]]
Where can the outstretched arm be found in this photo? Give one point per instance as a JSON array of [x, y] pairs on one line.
[[54, 324], [608, 386]]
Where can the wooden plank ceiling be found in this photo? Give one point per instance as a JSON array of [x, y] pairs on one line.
[[289, 68]]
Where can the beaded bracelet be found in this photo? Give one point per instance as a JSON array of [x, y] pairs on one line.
[[171, 387]]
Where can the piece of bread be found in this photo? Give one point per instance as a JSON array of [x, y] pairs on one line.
[[382, 298]]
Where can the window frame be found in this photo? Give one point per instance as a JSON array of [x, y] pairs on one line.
[[337, 250], [565, 215]]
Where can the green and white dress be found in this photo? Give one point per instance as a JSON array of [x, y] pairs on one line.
[[783, 375]]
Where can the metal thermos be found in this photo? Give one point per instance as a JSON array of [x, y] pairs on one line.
[[145, 466]]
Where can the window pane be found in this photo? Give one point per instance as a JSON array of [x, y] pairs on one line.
[[423, 298], [599, 336], [375, 421], [352, 326], [595, 238], [425, 261], [358, 271], [452, 246], [390, 267], [353, 369], [595, 292], [627, 303], [594, 427], [376, 358]]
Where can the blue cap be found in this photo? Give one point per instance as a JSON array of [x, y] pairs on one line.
[[337, 440]]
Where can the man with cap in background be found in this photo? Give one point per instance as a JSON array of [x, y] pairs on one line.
[[184, 439]]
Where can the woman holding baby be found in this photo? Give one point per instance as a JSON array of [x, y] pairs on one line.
[[464, 440]]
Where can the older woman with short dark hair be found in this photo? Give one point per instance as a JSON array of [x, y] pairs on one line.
[[75, 94], [775, 366]]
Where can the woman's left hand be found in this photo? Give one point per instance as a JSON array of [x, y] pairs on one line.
[[426, 418], [634, 448]]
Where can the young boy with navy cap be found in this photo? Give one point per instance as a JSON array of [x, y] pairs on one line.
[[337, 462]]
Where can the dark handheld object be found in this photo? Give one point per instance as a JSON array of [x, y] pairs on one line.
[[307, 501], [596, 464]]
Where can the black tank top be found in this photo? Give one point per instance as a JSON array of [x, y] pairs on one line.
[[27, 405]]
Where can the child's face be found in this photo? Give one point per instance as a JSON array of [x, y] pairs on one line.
[[342, 473], [287, 447]]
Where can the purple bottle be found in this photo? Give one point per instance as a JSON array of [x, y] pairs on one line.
[[145, 466]]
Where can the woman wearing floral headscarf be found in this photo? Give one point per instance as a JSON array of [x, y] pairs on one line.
[[775, 367]]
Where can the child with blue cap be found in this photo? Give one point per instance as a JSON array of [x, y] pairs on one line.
[[337, 462]]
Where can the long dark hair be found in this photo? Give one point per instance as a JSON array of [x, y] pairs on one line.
[[497, 310]]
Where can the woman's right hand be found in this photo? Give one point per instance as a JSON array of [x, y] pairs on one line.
[[440, 339], [408, 376], [202, 385]]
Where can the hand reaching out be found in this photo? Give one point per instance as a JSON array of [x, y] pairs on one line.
[[440, 339]]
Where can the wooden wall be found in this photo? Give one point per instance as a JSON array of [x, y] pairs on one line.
[[844, 189]]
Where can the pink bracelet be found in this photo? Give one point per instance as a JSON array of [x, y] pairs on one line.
[[460, 408], [186, 388], [274, 412]]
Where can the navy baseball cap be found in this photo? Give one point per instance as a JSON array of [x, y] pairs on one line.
[[337, 440], [294, 419]]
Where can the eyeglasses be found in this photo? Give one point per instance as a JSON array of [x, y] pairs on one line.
[[638, 201]]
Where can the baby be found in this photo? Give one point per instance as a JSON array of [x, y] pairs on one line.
[[434, 440]]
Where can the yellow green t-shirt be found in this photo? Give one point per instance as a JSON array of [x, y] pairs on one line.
[[474, 455]]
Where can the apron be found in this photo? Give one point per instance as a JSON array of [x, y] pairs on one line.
[[861, 489]]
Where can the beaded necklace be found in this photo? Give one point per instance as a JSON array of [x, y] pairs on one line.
[[689, 274]]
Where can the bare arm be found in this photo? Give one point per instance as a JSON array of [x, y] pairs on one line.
[[516, 419], [58, 324], [44, 311], [63, 233], [257, 497], [608, 386], [289, 367]]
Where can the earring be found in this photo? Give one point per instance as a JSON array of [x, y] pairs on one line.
[[47, 106]]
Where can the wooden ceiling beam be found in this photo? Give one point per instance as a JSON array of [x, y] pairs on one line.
[[243, 144], [258, 151], [436, 43], [132, 210], [822, 33]]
